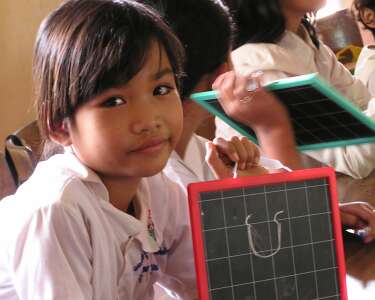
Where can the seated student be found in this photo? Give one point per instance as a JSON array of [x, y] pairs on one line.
[[277, 38], [365, 67], [264, 111], [207, 56], [357, 215], [100, 221]]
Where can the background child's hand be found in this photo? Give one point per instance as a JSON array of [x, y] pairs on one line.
[[255, 107], [358, 215], [221, 155], [243, 99]]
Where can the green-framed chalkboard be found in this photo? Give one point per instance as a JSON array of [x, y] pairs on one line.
[[320, 115]]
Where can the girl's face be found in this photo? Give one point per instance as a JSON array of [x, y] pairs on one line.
[[302, 6], [130, 130]]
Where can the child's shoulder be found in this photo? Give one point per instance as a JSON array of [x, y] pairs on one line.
[[56, 184]]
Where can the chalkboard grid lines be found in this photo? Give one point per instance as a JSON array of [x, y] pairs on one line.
[[304, 268]]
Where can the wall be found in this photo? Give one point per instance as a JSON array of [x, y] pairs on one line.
[[19, 21]]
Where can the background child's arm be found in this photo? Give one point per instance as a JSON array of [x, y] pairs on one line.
[[359, 215], [263, 112], [221, 155]]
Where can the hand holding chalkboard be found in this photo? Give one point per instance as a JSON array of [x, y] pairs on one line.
[[258, 109], [247, 102], [321, 117]]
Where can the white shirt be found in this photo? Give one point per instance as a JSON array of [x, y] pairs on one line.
[[365, 68], [193, 167], [293, 56], [61, 238]]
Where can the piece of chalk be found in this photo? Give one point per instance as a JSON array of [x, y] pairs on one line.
[[362, 233], [235, 170]]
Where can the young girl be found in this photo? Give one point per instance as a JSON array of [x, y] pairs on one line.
[[277, 38], [365, 67], [100, 221]]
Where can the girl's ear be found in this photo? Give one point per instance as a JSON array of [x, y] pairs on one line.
[[62, 134], [367, 16]]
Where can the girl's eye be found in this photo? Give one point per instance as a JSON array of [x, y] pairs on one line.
[[162, 90], [113, 101]]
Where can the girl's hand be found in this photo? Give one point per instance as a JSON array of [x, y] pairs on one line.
[[221, 155], [359, 215]]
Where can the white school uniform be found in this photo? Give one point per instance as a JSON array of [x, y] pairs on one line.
[[61, 238], [365, 68], [193, 168], [293, 56]]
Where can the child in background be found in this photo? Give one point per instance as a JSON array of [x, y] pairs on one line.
[[264, 112], [100, 221], [356, 215], [365, 67], [207, 56], [277, 38]]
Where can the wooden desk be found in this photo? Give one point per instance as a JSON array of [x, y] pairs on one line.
[[350, 189]]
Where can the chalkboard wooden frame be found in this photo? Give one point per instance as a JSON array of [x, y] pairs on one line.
[[195, 189]]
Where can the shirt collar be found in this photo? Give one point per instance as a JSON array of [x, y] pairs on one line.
[[140, 228], [77, 168]]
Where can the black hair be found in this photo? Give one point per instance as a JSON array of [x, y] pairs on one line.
[[262, 21], [87, 46], [205, 29], [362, 4]]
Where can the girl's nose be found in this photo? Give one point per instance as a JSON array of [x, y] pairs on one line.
[[144, 126], [146, 119]]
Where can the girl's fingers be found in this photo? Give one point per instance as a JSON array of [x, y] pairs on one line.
[[252, 150], [348, 220], [218, 167], [356, 214], [240, 90], [239, 149], [227, 149], [242, 152]]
